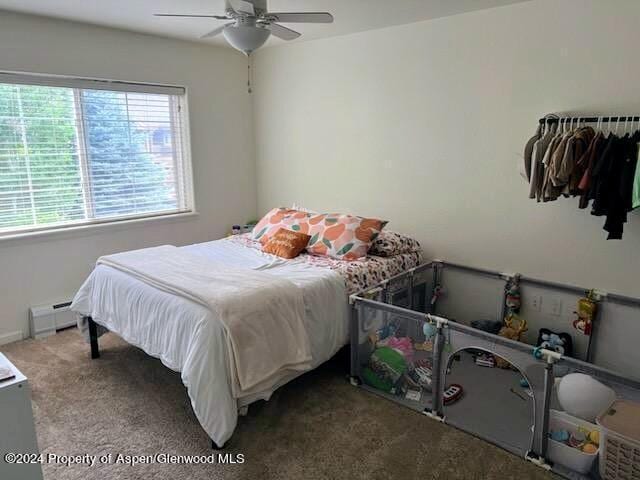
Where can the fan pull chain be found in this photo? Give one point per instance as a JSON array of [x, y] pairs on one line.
[[249, 73]]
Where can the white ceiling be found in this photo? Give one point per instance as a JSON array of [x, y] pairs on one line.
[[350, 15]]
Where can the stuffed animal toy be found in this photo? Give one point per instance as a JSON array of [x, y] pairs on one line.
[[557, 342], [512, 297], [429, 331], [585, 314], [514, 327]]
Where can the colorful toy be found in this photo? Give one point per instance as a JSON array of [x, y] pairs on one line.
[[382, 333], [582, 439], [423, 363], [587, 308], [401, 344], [429, 331], [512, 297], [514, 327], [559, 435], [577, 439], [557, 342], [424, 377], [452, 394], [438, 291], [386, 367], [484, 359]]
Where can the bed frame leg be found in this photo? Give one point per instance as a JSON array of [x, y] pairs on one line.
[[93, 338], [215, 446]]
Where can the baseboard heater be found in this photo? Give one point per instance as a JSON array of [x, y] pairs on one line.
[[46, 320]]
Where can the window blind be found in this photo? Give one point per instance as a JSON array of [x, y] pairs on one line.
[[71, 155]]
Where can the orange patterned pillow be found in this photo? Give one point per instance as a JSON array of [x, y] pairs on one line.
[[345, 237], [270, 223], [286, 243]]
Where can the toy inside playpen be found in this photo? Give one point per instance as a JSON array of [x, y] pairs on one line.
[[407, 347]]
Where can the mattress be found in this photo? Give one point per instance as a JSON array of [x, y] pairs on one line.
[[188, 338]]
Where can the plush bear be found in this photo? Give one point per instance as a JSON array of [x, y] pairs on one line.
[[514, 327]]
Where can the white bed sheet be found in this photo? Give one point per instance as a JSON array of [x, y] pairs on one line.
[[188, 338]]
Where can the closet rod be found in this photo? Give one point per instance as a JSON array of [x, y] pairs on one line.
[[552, 120]]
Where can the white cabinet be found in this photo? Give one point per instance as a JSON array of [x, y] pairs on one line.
[[17, 429]]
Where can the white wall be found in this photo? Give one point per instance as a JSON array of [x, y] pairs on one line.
[[51, 269], [424, 125]]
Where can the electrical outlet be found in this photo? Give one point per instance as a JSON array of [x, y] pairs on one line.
[[535, 302], [555, 307]]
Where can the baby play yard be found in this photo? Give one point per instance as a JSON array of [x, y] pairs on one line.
[[481, 351]]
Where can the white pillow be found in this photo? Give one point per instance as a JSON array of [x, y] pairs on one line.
[[295, 206]]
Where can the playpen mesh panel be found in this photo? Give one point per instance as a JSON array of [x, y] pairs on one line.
[[419, 283], [467, 297], [394, 357], [496, 404]]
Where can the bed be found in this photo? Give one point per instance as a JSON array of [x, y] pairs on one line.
[[190, 338]]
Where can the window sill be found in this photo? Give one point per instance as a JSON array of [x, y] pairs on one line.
[[92, 229]]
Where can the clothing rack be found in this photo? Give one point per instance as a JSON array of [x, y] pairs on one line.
[[552, 120]]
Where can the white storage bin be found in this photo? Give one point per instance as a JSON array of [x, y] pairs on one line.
[[570, 457], [620, 442]]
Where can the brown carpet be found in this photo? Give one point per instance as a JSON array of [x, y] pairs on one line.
[[318, 426]]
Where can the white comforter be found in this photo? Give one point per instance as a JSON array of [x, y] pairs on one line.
[[263, 314], [189, 338]]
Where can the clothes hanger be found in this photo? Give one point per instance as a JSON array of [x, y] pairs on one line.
[[550, 126]]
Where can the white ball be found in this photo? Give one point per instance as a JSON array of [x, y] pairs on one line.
[[582, 396]]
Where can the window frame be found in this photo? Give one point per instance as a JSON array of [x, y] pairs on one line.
[[179, 111]]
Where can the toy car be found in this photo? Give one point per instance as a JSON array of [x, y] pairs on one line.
[[452, 394]]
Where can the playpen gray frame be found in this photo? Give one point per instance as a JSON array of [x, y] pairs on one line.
[[504, 347]]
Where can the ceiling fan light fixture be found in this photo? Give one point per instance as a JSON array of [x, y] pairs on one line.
[[246, 38]]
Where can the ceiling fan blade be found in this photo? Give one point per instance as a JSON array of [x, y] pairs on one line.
[[219, 17], [303, 17], [242, 6], [216, 31], [283, 32]]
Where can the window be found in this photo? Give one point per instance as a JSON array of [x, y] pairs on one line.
[[76, 152]]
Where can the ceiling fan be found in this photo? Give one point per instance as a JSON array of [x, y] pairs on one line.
[[251, 24]]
